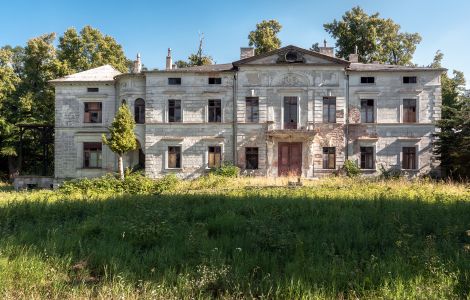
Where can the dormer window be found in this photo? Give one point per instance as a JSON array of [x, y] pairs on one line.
[[215, 80], [409, 79], [93, 90], [174, 81], [367, 80]]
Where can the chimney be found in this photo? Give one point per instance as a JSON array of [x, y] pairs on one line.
[[327, 50], [137, 65], [168, 60], [354, 57], [246, 52]]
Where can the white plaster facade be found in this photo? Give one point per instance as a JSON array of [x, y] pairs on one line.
[[308, 76]]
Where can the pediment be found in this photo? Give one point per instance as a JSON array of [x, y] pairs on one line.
[[291, 55]]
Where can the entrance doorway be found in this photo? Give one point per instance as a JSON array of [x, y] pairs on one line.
[[289, 159], [290, 113]]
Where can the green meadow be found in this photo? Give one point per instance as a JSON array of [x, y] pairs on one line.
[[239, 238]]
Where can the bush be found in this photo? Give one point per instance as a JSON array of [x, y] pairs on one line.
[[391, 173], [351, 168], [226, 170], [134, 183]]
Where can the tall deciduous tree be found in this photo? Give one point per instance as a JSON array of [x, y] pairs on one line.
[[122, 137], [90, 49], [376, 38], [453, 144], [264, 38]]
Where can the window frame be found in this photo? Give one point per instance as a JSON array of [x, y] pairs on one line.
[[363, 159], [178, 159], [174, 80], [328, 156], [87, 109], [175, 107], [366, 80], [330, 108], [247, 155], [406, 158], [409, 79], [215, 80], [93, 90], [89, 148], [218, 111], [250, 112], [370, 109], [219, 152], [139, 111], [406, 113]]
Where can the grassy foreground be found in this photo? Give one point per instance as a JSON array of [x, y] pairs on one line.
[[244, 238]]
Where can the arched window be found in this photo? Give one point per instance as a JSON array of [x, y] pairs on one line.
[[139, 111]]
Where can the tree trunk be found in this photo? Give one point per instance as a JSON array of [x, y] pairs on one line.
[[121, 167]]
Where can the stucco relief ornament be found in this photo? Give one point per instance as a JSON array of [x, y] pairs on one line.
[[291, 80]]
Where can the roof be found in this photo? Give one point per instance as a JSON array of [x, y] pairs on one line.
[[295, 48], [202, 69], [104, 73], [384, 67]]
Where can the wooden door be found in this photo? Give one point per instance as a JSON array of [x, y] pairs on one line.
[[289, 159]]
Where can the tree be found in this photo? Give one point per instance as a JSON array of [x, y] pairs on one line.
[[377, 39], [90, 49], [453, 144], [196, 59], [315, 47], [122, 138], [264, 38]]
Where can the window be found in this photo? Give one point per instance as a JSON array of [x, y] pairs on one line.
[[92, 112], [214, 157], [251, 157], [290, 113], [367, 80], [409, 79], [329, 157], [215, 80], [174, 157], [139, 111], [174, 110], [367, 111], [409, 110], [92, 155], [329, 110], [174, 81], [252, 109], [367, 157], [93, 90], [215, 111], [409, 158]]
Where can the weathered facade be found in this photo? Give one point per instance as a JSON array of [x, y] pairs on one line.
[[287, 112]]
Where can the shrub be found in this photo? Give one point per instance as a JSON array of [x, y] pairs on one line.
[[351, 168], [391, 173], [226, 170]]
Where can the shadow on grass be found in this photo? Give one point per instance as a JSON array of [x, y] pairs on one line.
[[255, 243]]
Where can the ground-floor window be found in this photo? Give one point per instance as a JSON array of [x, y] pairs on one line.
[[92, 155], [409, 158], [214, 156], [329, 157], [174, 157], [367, 157], [251, 157]]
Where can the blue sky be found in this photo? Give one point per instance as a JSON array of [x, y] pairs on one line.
[[150, 27]]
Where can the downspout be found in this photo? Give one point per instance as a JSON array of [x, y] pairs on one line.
[[234, 118], [346, 150]]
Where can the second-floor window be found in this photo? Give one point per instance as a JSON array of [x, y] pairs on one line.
[[215, 80], [252, 109], [329, 157], [92, 155], [409, 158], [93, 111], [367, 157], [367, 80], [329, 110], [174, 81], [409, 110], [215, 111], [174, 110], [214, 158], [174, 157], [367, 111], [139, 111], [251, 157]]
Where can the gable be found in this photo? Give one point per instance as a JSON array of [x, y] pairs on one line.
[[291, 55]]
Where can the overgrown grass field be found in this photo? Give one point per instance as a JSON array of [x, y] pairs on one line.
[[239, 238]]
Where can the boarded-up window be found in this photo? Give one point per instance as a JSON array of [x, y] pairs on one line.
[[409, 158], [251, 157], [252, 109], [174, 157], [367, 157], [214, 156], [92, 155], [139, 111], [174, 110], [215, 110], [329, 157], [329, 110], [367, 111], [409, 110], [92, 112]]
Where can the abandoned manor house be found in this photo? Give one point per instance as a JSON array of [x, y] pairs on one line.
[[290, 111]]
